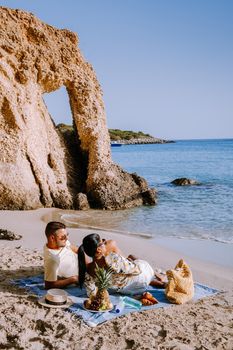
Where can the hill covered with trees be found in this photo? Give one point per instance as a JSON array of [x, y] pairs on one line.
[[121, 136]]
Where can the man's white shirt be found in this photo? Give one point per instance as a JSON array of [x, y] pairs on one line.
[[61, 262]]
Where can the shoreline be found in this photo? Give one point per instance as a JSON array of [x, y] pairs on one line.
[[141, 141]]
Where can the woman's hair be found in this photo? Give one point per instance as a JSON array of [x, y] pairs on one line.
[[89, 246], [52, 227]]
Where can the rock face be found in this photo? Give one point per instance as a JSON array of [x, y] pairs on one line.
[[82, 202], [38, 167]]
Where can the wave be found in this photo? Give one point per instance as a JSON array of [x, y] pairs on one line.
[[74, 220], [70, 219], [202, 238]]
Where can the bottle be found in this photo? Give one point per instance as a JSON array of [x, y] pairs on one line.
[[131, 302], [120, 306]]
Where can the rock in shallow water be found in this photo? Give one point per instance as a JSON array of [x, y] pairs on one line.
[[183, 181]]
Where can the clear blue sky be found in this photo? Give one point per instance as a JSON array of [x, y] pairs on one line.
[[165, 66]]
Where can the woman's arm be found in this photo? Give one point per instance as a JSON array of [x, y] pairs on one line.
[[122, 265]]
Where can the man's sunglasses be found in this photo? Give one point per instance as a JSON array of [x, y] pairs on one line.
[[62, 238]]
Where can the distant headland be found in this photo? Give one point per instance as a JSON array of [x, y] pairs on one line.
[[128, 137], [125, 137]]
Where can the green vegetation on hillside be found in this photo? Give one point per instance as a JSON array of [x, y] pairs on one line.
[[115, 134], [65, 128]]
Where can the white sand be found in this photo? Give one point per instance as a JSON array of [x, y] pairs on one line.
[[206, 324]]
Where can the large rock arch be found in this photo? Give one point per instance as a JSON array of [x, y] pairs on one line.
[[36, 166]]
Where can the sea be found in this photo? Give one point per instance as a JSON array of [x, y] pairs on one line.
[[201, 212]]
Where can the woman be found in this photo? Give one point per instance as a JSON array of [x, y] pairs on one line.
[[130, 275]]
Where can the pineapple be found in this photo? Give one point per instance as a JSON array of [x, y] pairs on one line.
[[101, 301]]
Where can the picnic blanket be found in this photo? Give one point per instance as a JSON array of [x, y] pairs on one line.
[[35, 286]]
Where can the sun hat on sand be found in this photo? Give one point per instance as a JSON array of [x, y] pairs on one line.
[[56, 298]]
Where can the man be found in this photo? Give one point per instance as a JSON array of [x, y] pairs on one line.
[[60, 257]]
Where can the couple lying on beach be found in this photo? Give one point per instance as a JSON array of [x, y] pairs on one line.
[[62, 268]]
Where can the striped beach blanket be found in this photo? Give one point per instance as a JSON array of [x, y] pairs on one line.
[[35, 286]]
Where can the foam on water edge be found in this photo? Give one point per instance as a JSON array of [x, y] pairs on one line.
[[75, 221], [69, 219]]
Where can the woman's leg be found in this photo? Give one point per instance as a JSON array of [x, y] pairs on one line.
[[157, 283], [159, 280], [161, 277]]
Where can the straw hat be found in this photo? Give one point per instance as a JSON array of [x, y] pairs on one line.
[[56, 298]]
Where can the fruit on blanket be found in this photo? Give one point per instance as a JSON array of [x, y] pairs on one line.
[[150, 297], [147, 299], [101, 301], [87, 303], [146, 302]]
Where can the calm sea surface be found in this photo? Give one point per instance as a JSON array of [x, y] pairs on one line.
[[197, 212]]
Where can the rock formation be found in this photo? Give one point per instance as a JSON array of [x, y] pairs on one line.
[[38, 167], [183, 181]]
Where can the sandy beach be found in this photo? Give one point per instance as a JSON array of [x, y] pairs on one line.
[[205, 324]]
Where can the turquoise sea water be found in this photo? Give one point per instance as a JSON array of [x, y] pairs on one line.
[[204, 211], [196, 212]]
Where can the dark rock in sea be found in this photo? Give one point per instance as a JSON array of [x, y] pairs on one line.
[[183, 181], [9, 235], [150, 197]]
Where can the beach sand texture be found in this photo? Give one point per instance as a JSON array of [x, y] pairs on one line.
[[205, 324]]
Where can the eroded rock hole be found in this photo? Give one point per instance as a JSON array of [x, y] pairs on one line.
[[58, 105], [59, 109]]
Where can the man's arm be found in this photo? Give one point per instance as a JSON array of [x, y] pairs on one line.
[[51, 279], [61, 283]]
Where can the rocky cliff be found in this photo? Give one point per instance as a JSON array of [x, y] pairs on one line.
[[39, 167]]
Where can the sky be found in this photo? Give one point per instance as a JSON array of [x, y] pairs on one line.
[[165, 66]]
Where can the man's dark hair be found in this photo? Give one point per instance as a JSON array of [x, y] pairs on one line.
[[52, 227]]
